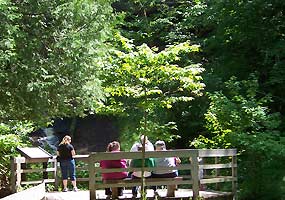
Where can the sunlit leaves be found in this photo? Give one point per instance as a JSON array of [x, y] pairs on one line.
[[238, 117], [8, 145], [143, 80], [49, 57], [159, 23]]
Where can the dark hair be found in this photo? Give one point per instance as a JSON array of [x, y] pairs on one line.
[[113, 146], [139, 147]]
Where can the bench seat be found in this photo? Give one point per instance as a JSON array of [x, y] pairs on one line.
[[170, 182]]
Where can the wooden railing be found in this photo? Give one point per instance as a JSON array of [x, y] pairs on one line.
[[217, 166], [190, 169], [47, 170]]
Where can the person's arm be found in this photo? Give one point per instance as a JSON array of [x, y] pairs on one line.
[[73, 153], [131, 163], [177, 160], [57, 156], [103, 164]]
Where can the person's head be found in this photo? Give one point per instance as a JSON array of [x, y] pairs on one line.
[[142, 137], [66, 140], [113, 146], [160, 145]]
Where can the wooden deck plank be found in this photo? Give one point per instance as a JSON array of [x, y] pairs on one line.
[[100, 194], [34, 193]]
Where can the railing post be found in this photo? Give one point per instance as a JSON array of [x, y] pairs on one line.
[[234, 175], [23, 175], [45, 173], [195, 174], [91, 167], [19, 161], [13, 175], [217, 173], [55, 174]]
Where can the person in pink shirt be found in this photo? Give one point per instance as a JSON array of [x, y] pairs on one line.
[[105, 164]]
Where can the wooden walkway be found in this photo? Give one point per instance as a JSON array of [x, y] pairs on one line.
[[179, 194], [219, 168]]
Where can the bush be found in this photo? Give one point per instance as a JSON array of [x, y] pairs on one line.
[[239, 118]]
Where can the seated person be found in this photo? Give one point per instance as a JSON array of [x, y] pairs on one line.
[[137, 163], [105, 164], [164, 162], [148, 145]]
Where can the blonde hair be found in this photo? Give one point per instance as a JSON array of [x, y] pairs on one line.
[[66, 139]]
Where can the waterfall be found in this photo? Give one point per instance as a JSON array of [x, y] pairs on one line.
[[49, 140]]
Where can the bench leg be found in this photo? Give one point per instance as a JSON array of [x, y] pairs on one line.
[[115, 192], [170, 190]]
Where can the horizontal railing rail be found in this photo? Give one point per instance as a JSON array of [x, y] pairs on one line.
[[21, 167], [198, 167], [190, 163]]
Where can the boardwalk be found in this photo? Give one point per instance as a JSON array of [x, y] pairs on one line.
[[218, 168], [179, 194]]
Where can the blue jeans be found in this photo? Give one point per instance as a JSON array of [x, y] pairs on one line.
[[67, 168]]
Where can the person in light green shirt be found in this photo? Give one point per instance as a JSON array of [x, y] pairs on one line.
[[137, 163]]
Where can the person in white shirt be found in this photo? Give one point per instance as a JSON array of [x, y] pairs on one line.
[[164, 162], [148, 145]]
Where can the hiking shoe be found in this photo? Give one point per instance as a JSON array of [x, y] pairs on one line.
[[65, 190], [75, 189]]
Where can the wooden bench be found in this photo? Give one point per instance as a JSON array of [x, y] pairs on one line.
[[149, 182], [220, 165], [188, 171]]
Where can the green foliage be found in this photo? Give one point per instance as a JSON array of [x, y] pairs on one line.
[[48, 57], [159, 23], [16, 127], [239, 118], [8, 145], [143, 84], [244, 37], [51, 56], [13, 134]]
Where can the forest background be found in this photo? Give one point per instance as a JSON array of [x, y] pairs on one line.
[[199, 74]]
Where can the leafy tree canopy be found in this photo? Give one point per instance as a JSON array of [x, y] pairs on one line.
[[143, 84], [239, 118], [160, 23], [48, 57]]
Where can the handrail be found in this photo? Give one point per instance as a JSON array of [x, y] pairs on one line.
[[223, 159], [191, 154]]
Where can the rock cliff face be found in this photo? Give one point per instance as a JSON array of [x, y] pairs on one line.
[[89, 134], [94, 133]]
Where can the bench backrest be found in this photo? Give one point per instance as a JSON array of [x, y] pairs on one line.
[[190, 168]]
